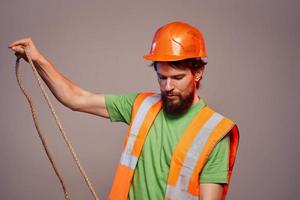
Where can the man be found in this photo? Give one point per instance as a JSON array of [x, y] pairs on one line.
[[176, 146]]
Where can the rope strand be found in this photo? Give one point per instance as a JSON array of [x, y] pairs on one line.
[[43, 140], [41, 136]]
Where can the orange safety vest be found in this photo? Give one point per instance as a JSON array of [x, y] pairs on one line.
[[190, 155]]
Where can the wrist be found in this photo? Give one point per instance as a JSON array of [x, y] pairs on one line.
[[39, 60]]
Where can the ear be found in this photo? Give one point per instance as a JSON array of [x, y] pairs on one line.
[[199, 74]]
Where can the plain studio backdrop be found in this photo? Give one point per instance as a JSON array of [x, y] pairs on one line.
[[252, 77]]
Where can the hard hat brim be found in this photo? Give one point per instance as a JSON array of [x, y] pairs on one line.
[[166, 58]]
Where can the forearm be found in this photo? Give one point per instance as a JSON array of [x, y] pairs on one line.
[[62, 88]]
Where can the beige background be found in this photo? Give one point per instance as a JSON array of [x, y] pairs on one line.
[[252, 76]]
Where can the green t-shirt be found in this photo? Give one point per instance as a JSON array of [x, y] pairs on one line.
[[151, 173]]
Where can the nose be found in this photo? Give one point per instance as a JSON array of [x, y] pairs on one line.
[[169, 85]]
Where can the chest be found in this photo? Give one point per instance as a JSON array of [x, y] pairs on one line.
[[161, 141]]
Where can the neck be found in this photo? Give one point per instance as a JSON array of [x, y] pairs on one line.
[[196, 98]]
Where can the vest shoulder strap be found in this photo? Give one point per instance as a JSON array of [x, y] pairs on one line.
[[144, 111], [199, 139]]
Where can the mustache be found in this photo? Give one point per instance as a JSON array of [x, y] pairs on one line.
[[170, 93]]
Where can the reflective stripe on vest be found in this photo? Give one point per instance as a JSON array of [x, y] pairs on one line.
[[127, 158], [191, 153], [145, 109]]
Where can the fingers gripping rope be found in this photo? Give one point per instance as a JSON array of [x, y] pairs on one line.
[[42, 138]]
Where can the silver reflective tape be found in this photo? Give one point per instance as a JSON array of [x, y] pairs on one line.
[[137, 122], [196, 149], [175, 193], [128, 160], [142, 111]]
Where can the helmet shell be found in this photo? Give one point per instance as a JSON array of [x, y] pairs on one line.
[[176, 41]]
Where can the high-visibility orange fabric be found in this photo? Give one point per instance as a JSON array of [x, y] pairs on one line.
[[234, 142], [224, 127], [121, 184], [185, 142], [137, 103], [137, 148], [124, 175], [219, 132]]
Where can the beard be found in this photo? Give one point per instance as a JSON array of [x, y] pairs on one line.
[[178, 105]]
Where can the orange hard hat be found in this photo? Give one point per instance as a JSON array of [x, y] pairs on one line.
[[176, 41]]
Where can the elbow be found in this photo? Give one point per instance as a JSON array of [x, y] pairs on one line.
[[74, 108], [71, 105], [74, 101], [71, 101], [74, 104]]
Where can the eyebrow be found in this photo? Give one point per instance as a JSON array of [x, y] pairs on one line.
[[173, 76]]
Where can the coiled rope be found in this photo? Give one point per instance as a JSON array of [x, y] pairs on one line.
[[41, 136]]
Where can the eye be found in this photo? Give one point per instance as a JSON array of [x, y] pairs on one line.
[[178, 77], [162, 77]]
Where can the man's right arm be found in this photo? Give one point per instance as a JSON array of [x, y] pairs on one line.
[[65, 91]]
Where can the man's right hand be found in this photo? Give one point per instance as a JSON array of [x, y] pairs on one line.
[[19, 46]]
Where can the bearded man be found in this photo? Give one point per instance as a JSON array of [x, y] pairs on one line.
[[176, 147]]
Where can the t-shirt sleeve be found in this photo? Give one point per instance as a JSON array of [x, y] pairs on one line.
[[216, 168], [119, 107]]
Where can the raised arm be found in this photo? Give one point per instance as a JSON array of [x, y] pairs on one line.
[[65, 91]]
